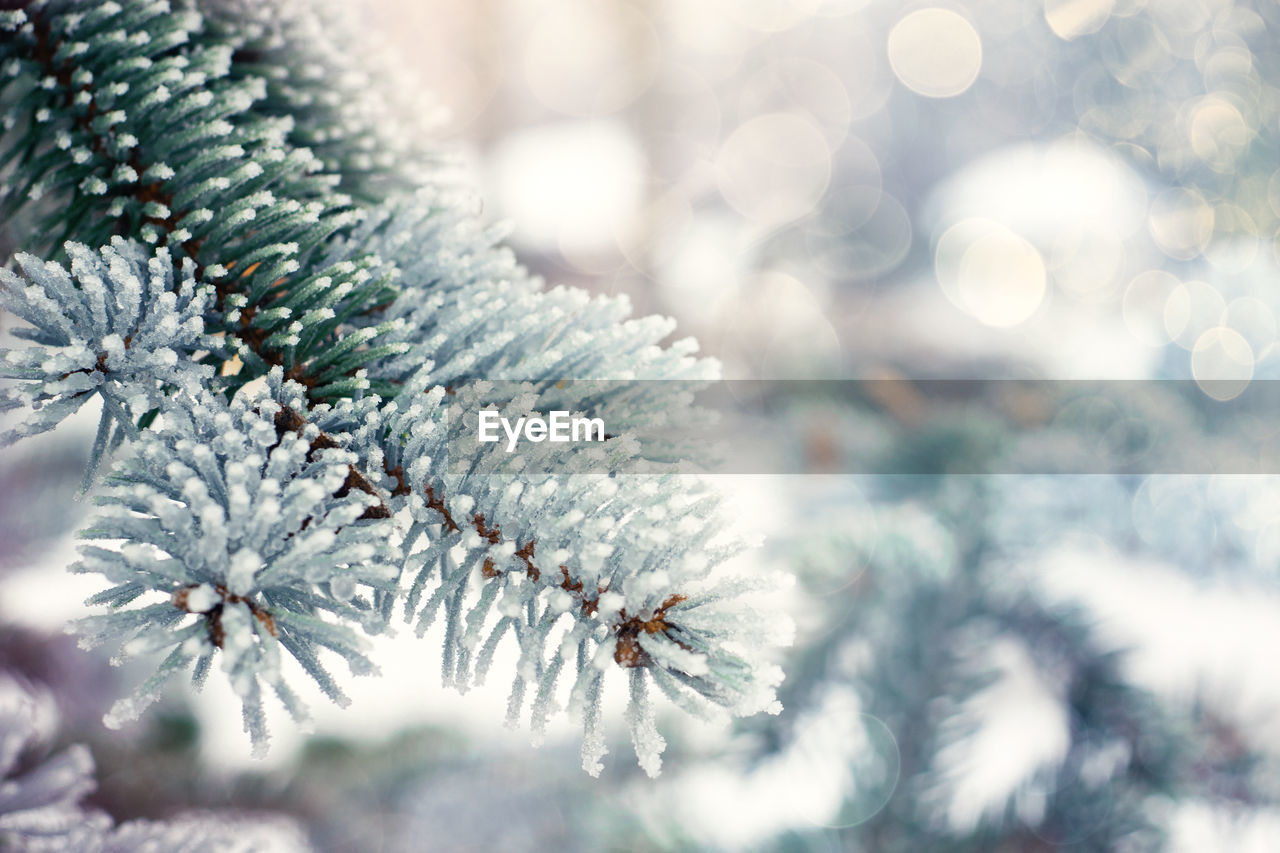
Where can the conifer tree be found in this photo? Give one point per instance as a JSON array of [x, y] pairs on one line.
[[237, 247]]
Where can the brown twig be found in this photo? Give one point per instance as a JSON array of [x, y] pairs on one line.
[[213, 616], [287, 420], [627, 652]]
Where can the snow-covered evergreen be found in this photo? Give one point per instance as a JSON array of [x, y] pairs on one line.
[[231, 212]]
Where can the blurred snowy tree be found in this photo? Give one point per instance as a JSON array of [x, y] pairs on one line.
[[979, 709]]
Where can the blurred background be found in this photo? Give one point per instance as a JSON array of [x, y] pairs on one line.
[[1059, 188], [840, 189]]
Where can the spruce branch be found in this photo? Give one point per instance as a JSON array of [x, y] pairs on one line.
[[466, 310], [149, 135], [615, 548], [173, 130], [347, 99], [253, 534], [116, 325]]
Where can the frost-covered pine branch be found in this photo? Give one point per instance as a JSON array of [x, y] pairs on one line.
[[240, 519], [113, 326], [467, 310], [348, 98], [604, 551], [156, 136]]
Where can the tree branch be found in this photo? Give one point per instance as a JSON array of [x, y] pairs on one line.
[[627, 631]]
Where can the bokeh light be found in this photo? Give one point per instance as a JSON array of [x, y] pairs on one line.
[[839, 140], [990, 272], [774, 168], [935, 52], [1144, 306], [595, 167], [588, 80], [1071, 18], [1222, 362]]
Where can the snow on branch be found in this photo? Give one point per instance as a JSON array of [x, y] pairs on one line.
[[116, 325], [291, 522], [241, 542]]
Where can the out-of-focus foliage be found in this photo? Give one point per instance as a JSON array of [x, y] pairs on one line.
[[41, 798], [36, 492]]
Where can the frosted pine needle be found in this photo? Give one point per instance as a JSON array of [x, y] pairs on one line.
[[244, 542]]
